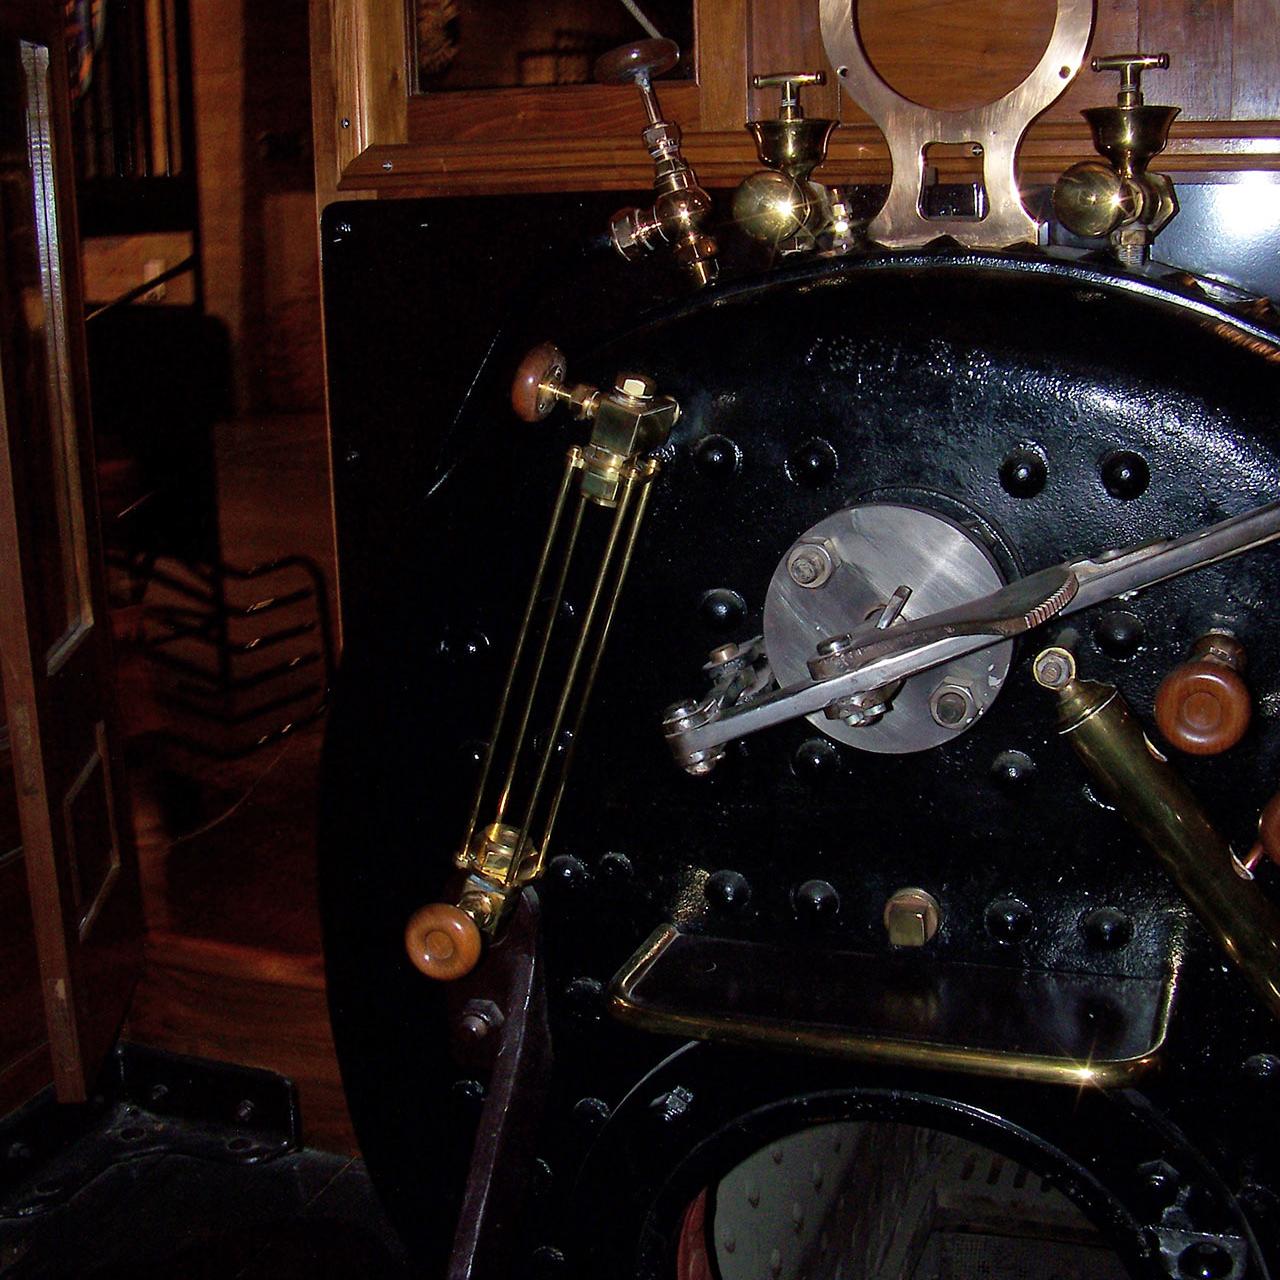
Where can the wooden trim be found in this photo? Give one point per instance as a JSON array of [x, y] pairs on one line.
[[722, 50], [858, 154], [369, 53], [230, 960]]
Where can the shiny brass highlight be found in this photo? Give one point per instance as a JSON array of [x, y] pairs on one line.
[[1160, 806]]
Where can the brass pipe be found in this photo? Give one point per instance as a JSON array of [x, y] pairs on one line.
[[573, 462], [1164, 811], [575, 661], [558, 595], [648, 471]]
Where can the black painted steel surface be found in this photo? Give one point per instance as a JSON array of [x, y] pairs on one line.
[[1056, 407]]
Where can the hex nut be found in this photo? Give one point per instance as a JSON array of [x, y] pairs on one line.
[[811, 564], [953, 706]]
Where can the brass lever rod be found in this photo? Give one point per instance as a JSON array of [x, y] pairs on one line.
[[1164, 811]]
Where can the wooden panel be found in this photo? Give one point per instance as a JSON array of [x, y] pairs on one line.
[[722, 64], [370, 69], [258, 1008], [1255, 60], [1198, 39]]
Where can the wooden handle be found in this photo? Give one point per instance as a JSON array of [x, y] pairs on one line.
[[542, 368], [1203, 707], [442, 941]]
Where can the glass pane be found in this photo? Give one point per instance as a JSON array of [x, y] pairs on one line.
[[490, 44], [40, 417]]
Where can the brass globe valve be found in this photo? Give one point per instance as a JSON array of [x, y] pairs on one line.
[[780, 205], [675, 218], [1119, 199]]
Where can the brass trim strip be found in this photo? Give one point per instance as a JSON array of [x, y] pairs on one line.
[[860, 1047]]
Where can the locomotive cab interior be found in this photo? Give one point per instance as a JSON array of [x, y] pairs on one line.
[[800, 795]]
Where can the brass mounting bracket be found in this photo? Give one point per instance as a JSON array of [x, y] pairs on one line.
[[997, 127]]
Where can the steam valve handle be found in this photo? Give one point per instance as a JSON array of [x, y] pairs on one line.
[[1203, 706], [1130, 66], [638, 62], [790, 83], [442, 941]]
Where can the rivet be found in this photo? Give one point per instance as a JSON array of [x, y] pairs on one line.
[[1262, 1068], [387, 165], [566, 877], [777, 1153], [346, 123], [1125, 474], [616, 870], [816, 902], [1023, 472], [1205, 1260], [1009, 920], [727, 891], [811, 464], [717, 457], [1106, 928], [722, 610], [590, 1114], [816, 760], [1013, 768], [547, 1261], [1119, 634], [584, 998]]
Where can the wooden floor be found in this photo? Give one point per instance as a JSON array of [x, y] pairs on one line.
[[227, 847]]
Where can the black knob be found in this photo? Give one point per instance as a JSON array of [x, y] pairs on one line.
[[1106, 928], [1125, 474], [1119, 634], [816, 760], [1013, 769], [722, 610]]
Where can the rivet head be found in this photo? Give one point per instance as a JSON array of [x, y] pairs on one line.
[[722, 610], [1106, 928], [1023, 472], [816, 902], [717, 457], [584, 999], [1119, 634], [1262, 1068], [1125, 474], [1205, 1260], [816, 760], [590, 1114], [1013, 769], [811, 464], [566, 877], [727, 891], [616, 870], [1009, 920]]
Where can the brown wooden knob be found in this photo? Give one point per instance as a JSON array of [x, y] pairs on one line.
[[442, 941], [1203, 706], [537, 378], [1268, 842]]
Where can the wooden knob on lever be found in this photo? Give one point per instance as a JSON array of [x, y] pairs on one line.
[[1203, 706], [442, 941], [539, 377]]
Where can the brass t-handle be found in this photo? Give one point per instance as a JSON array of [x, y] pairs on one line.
[[790, 83], [1130, 66]]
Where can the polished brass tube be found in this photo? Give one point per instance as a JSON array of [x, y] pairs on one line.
[[1150, 794], [573, 463], [575, 661], [556, 596], [588, 683]]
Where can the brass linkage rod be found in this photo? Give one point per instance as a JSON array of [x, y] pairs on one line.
[[575, 661], [646, 490], [573, 463]]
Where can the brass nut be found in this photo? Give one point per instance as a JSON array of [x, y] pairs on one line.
[[911, 917], [1053, 668], [953, 706]]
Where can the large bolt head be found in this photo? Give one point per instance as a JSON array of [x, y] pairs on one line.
[[953, 706], [810, 564]]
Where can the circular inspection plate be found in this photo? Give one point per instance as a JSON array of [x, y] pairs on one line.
[[878, 547]]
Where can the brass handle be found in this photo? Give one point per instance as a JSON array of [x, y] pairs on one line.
[[1130, 66], [1203, 706], [790, 83], [442, 941]]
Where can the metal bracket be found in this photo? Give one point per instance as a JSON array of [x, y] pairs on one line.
[[997, 127]]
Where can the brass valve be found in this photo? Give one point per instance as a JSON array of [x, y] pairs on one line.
[[614, 470], [675, 218], [1119, 199], [780, 205]]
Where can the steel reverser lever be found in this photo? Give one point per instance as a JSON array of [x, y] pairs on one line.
[[868, 658]]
